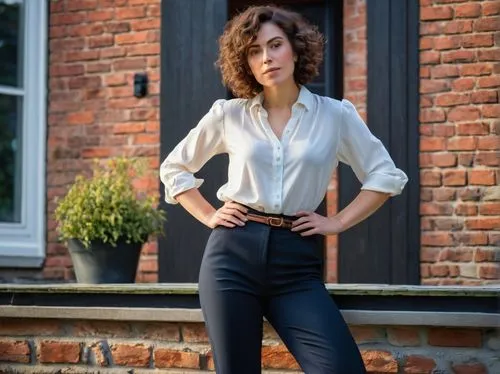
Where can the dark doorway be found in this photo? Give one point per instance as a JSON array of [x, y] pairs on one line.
[[385, 248], [189, 86]]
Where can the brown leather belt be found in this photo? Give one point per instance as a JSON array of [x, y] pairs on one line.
[[270, 220]]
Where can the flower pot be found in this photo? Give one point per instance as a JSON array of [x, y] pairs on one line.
[[103, 263]]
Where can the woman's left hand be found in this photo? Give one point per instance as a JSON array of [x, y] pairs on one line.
[[311, 223]]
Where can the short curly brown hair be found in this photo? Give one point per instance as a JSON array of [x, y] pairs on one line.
[[241, 31]]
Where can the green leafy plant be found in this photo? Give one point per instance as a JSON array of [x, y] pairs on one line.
[[106, 207]]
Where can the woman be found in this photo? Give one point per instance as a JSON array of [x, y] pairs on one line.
[[284, 142]]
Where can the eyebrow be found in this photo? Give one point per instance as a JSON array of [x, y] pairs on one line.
[[269, 41]]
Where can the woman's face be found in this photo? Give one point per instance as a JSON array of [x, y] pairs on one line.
[[271, 57]]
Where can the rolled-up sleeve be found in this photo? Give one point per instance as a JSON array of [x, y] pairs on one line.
[[367, 156], [201, 143]]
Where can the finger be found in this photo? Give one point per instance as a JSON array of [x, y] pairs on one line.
[[231, 218], [238, 207], [309, 232], [302, 213], [226, 223], [300, 221], [304, 226], [237, 213]]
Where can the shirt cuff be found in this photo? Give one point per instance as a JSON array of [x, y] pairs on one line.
[[179, 185], [392, 183]]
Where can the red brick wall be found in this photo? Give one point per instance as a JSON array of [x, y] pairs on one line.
[[28, 345], [460, 141], [95, 48], [97, 45]]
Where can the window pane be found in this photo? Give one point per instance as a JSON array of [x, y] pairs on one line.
[[10, 158], [11, 42]]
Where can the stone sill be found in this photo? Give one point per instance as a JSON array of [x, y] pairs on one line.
[[192, 289], [129, 310]]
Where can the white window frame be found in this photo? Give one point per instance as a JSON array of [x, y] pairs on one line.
[[23, 244]]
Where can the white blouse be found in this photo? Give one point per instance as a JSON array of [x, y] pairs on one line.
[[284, 175]]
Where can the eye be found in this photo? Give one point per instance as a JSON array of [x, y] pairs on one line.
[[276, 45], [253, 52]]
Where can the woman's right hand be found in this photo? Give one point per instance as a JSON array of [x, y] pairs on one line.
[[229, 215]]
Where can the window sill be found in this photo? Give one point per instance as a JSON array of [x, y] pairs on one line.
[[8, 261]]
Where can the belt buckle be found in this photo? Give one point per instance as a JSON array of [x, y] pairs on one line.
[[275, 221]]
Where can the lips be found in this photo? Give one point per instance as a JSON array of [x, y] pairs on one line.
[[270, 70]]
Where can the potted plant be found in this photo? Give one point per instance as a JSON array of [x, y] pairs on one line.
[[105, 222]]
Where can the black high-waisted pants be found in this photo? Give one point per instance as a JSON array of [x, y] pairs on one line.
[[257, 271]]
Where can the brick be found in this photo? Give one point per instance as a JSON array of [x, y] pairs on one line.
[[430, 178], [432, 115], [472, 128], [416, 364], [476, 69], [471, 194], [443, 337], [366, 334], [467, 10], [169, 358], [131, 38], [429, 57], [491, 111], [80, 118], [278, 357], [75, 5], [95, 152], [128, 128], [481, 177], [480, 97], [429, 254], [487, 158], [59, 352], [403, 336], [101, 41], [469, 368], [14, 351], [130, 12], [463, 84], [137, 355], [466, 210], [488, 142], [477, 41], [108, 329], [489, 209], [67, 19], [487, 24], [436, 13], [487, 255], [464, 113], [379, 361], [447, 42], [146, 139], [85, 30], [436, 239], [469, 238], [440, 270], [100, 15], [458, 56], [489, 82], [444, 159], [444, 71], [158, 331], [456, 254], [426, 43], [145, 24], [452, 99], [444, 194], [433, 208], [489, 54], [490, 8], [59, 45], [455, 178], [487, 223], [457, 27], [489, 271], [144, 50], [461, 143], [129, 64], [66, 70], [424, 271], [194, 333], [117, 27]]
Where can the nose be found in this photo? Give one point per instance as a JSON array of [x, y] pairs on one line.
[[266, 59]]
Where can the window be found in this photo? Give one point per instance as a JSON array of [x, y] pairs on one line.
[[23, 74]]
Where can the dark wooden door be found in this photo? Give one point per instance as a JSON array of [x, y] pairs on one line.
[[190, 84], [385, 248]]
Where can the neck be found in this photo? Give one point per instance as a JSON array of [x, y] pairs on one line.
[[282, 96]]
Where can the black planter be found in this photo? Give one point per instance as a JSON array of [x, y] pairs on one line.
[[102, 263]]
